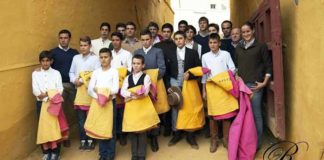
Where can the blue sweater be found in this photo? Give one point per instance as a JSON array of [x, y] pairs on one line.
[[62, 61], [203, 41]]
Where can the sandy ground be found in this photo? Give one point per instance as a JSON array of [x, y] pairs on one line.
[[181, 151]]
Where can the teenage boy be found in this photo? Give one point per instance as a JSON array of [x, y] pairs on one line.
[[131, 43], [217, 61], [154, 29], [102, 41], [202, 36], [80, 73], [190, 43]]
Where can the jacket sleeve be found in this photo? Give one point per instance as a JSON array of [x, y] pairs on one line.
[[160, 63], [266, 59], [197, 63]]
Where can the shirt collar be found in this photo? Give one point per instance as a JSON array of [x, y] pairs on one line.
[[216, 54], [120, 50], [248, 44], [138, 74], [181, 49], [49, 69], [147, 49], [134, 40], [63, 48], [104, 41]]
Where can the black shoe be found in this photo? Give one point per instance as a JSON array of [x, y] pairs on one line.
[[154, 144], [90, 145], [140, 158], [110, 158], [123, 140], [67, 143], [83, 145], [134, 158], [175, 139], [192, 141], [102, 158]]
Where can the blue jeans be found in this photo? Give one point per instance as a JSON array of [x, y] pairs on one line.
[[256, 103], [82, 116], [107, 148]]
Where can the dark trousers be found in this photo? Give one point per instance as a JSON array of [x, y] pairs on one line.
[[139, 141], [48, 151], [107, 148], [82, 116], [119, 120]]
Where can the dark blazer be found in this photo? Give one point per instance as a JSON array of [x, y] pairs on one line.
[[153, 59], [191, 60]]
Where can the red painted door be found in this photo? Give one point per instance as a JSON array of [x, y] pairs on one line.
[[268, 29]]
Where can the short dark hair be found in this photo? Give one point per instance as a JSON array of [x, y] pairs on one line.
[[138, 56], [146, 32], [180, 33], [105, 50], [183, 22], [120, 24], [105, 24], [130, 23], [167, 25], [117, 34], [153, 24], [203, 19], [214, 36], [45, 54], [192, 28], [214, 25], [249, 24], [65, 31], [227, 21], [85, 39]]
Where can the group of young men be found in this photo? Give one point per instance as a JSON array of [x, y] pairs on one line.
[[118, 86]]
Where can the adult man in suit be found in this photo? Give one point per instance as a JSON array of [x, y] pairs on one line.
[[179, 63], [154, 59]]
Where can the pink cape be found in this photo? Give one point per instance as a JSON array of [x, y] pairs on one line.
[[242, 141]]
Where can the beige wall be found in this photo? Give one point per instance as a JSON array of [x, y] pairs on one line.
[[303, 33], [27, 27]]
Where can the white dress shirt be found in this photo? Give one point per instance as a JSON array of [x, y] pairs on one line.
[[181, 52], [44, 80], [217, 63], [136, 77], [81, 63], [99, 43], [190, 45], [104, 79], [147, 49], [122, 58]]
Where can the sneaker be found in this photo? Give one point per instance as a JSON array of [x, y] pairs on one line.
[[90, 145], [83, 145], [46, 157], [55, 156]]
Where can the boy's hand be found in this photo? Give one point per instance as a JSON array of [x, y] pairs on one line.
[[42, 96], [186, 76], [258, 85], [95, 90], [77, 82]]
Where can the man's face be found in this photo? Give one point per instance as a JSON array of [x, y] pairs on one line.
[[179, 40], [203, 25], [64, 40], [105, 59], [104, 32], [46, 63], [214, 45], [190, 34], [226, 29], [137, 65], [116, 42], [130, 31], [166, 33], [153, 31], [121, 30], [212, 30], [182, 27], [84, 48], [236, 34], [146, 41]]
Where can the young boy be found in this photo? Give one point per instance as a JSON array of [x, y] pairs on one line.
[[217, 61], [139, 114], [181, 62], [42, 81], [80, 73], [103, 118]]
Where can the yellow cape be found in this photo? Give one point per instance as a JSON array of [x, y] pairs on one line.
[[48, 126], [82, 98], [99, 123], [219, 100], [139, 114], [191, 115], [161, 105], [122, 72]]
